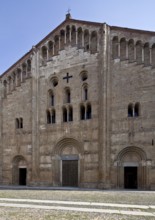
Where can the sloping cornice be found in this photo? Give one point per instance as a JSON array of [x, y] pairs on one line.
[[65, 22]]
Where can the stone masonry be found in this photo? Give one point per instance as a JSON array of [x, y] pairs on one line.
[[78, 109]]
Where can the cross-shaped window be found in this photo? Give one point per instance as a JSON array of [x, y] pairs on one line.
[[67, 77]]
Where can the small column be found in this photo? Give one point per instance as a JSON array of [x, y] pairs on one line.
[[27, 70], [85, 112], [16, 78], [76, 36], [119, 49], [142, 53], [89, 40], [70, 34], [7, 87], [134, 52], [150, 56], [59, 42], [21, 76], [82, 38], [127, 51], [13, 82], [65, 36], [47, 54], [10, 84], [133, 111], [53, 47], [67, 114]]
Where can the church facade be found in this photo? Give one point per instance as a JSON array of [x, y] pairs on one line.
[[79, 110]]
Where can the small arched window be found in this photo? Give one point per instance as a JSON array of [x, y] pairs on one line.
[[44, 53], [62, 39], [5, 88], [146, 54], [93, 42], [70, 113], [67, 95], [9, 83], [73, 35], [115, 47], [131, 50], [139, 52], [153, 56], [50, 48], [21, 122], [82, 112], [137, 110], [84, 75], [17, 123], [130, 110], [64, 112], [13, 80], [51, 98], [23, 71], [86, 40], [54, 81], [18, 77], [28, 68], [88, 112], [53, 116], [48, 115], [67, 34], [79, 37], [85, 92], [123, 49], [56, 45]]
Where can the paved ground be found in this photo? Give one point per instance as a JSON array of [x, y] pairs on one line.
[[20, 203], [79, 206]]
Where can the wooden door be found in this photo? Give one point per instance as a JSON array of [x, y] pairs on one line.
[[70, 173]]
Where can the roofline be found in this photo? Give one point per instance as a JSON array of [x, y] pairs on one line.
[[67, 21], [132, 29], [12, 66], [77, 21], [47, 36]]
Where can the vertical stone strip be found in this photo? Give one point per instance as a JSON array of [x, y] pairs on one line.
[[104, 107], [1, 137], [35, 117], [108, 109]]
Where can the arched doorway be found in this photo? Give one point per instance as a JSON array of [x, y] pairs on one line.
[[67, 163], [131, 168], [19, 176]]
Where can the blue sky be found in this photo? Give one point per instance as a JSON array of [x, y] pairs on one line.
[[23, 23]]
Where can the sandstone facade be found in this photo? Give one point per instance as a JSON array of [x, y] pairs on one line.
[[78, 109]]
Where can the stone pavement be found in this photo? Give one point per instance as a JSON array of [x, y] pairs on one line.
[[143, 210]]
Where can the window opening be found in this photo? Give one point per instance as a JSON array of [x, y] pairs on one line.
[[48, 117], [64, 115]]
